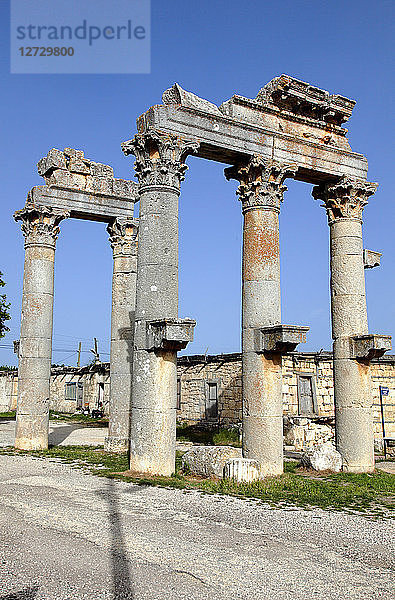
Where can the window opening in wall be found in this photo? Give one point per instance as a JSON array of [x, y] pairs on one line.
[[70, 391], [306, 395], [100, 397], [80, 396], [178, 394], [212, 401]]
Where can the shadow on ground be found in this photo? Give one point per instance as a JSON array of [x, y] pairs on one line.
[[25, 594], [59, 434], [122, 586]]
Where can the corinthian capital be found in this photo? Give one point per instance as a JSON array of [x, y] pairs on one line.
[[261, 182], [344, 199], [40, 224], [123, 236], [160, 158]]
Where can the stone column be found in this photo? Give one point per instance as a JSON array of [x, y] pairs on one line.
[[123, 240], [40, 228], [344, 202], [158, 334], [261, 192]]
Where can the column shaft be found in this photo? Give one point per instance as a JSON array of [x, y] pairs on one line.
[[123, 239], [261, 192], [39, 226], [352, 387], [261, 306], [160, 169], [344, 203]]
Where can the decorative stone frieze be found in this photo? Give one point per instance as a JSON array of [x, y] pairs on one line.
[[39, 224], [261, 182], [345, 199], [160, 158], [301, 98], [123, 236]]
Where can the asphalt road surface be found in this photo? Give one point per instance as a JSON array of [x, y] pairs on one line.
[[68, 535]]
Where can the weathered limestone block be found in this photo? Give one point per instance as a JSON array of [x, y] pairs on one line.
[[371, 258], [70, 169], [241, 469], [323, 457], [209, 460]]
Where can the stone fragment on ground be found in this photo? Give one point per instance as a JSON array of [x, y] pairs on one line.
[[208, 460], [323, 457], [241, 469]]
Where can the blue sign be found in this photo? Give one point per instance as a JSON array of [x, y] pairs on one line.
[[384, 391]]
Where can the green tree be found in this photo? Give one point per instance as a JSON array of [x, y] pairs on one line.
[[4, 308]]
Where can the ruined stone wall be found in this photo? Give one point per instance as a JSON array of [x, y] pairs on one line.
[[90, 381], [8, 390], [321, 370], [195, 372], [383, 373], [194, 378]]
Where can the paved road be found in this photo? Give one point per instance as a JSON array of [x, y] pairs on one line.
[[67, 535], [60, 434], [67, 434]]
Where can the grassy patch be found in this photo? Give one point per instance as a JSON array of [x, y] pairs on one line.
[[6, 416], [371, 494], [218, 436], [69, 418], [86, 420]]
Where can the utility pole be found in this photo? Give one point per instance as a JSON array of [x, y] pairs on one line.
[[79, 354], [95, 351]]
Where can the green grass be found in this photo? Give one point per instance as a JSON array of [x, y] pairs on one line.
[[69, 418], [7, 415], [209, 437], [370, 494], [78, 418]]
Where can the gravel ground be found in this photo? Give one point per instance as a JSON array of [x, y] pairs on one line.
[[67, 535]]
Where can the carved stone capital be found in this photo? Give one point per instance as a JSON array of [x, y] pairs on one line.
[[160, 158], [123, 236], [345, 199], [261, 182], [40, 224]]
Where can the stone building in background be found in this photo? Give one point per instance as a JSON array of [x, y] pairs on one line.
[[209, 393]]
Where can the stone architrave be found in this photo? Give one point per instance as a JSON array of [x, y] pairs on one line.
[[40, 227], [344, 202], [123, 240], [261, 193], [159, 334]]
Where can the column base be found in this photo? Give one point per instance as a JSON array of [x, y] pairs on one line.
[[358, 468], [31, 432], [115, 444]]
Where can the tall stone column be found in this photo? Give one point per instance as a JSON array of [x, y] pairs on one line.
[[123, 240], [158, 333], [264, 339], [344, 202], [40, 228]]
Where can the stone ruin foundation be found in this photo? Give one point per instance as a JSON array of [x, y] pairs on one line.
[[290, 130]]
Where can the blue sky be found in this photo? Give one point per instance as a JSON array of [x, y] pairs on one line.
[[214, 49]]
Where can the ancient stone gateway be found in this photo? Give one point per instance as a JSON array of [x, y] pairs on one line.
[[77, 188], [291, 129]]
